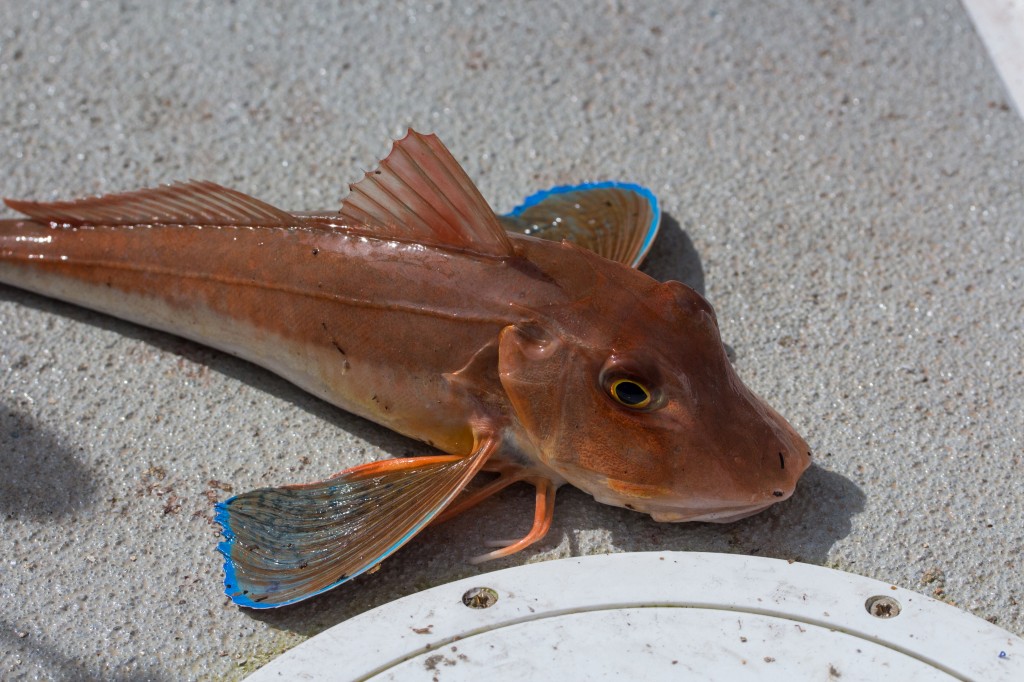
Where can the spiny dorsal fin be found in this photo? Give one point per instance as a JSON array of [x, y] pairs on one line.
[[183, 203], [420, 192]]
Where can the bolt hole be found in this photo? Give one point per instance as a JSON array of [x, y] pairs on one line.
[[480, 598], [881, 606]]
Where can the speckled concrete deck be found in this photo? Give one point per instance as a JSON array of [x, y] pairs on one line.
[[843, 181]]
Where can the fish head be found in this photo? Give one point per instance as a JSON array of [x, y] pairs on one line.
[[629, 395]]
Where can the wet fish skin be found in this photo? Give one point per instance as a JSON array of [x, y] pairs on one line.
[[414, 308]]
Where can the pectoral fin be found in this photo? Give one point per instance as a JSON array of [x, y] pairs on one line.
[[509, 474], [287, 544], [543, 513], [613, 219]]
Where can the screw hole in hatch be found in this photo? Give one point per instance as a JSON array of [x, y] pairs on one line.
[[480, 598], [881, 606]]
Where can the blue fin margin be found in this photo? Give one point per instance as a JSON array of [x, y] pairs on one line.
[[652, 200], [231, 583]]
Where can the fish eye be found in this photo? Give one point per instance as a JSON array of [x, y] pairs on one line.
[[630, 393]]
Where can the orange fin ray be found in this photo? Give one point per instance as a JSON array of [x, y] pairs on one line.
[[283, 545], [421, 193], [543, 514], [470, 499], [184, 203]]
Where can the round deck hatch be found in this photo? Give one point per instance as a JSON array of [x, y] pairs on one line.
[[659, 616]]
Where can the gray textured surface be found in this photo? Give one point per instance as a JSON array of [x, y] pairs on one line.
[[845, 182]]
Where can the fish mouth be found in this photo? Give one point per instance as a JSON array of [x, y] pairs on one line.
[[719, 515], [707, 511]]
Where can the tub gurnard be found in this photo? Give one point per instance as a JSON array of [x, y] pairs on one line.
[[527, 345]]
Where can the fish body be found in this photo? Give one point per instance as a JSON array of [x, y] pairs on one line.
[[370, 325], [417, 308]]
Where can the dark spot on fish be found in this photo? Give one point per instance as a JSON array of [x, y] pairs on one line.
[[304, 564], [376, 172], [316, 251], [262, 597], [778, 493], [338, 347], [630, 507], [782, 460], [809, 454], [527, 268]]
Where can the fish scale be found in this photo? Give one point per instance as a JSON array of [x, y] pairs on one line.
[[545, 360]]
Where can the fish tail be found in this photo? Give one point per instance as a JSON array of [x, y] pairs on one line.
[[283, 545]]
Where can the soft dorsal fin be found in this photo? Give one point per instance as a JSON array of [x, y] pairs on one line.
[[184, 203], [616, 220], [420, 192]]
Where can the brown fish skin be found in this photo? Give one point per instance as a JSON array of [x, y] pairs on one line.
[[723, 453], [374, 326], [418, 312], [370, 325]]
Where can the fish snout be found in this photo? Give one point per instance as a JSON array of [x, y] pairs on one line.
[[766, 458], [785, 457], [768, 454]]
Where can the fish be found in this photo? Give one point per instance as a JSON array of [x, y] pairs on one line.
[[528, 345]]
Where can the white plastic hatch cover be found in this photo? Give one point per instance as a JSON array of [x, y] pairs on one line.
[[659, 616]]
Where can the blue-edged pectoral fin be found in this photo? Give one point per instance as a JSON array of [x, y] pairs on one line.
[[287, 544], [616, 220]]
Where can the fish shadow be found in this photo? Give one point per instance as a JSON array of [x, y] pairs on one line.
[[48, 662], [674, 257], [803, 528], [42, 478]]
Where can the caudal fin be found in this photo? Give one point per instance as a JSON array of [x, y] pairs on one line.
[[287, 544]]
